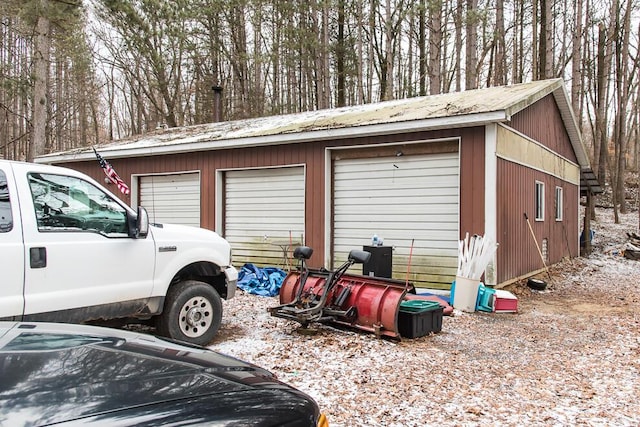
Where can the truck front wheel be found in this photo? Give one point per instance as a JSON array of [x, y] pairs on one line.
[[192, 313]]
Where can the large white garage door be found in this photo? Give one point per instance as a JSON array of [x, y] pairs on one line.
[[400, 199], [173, 199], [264, 212]]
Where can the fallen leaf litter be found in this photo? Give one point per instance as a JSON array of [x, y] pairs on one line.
[[569, 357]]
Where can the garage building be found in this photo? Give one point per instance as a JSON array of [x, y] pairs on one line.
[[419, 172]]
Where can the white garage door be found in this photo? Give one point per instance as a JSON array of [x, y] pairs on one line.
[[264, 213], [400, 199], [173, 199]]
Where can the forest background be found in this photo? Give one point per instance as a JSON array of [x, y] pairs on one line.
[[76, 73]]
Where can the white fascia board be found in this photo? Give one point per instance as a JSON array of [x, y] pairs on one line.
[[491, 197], [135, 149], [328, 196], [571, 125]]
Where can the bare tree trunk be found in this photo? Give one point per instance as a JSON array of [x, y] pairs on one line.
[[258, 95], [471, 61], [371, 48], [422, 47], [576, 64], [534, 30], [500, 73], [435, 41], [326, 46], [388, 36], [315, 50], [110, 88], [239, 57], [517, 40], [445, 62], [548, 35], [622, 88], [545, 39], [587, 224], [601, 107], [408, 87], [360, 49], [41, 66], [276, 78], [58, 117], [635, 130], [458, 44], [635, 125], [340, 53]]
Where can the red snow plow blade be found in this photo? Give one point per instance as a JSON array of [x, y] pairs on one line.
[[366, 303]]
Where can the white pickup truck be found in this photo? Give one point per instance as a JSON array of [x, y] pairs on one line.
[[72, 252]]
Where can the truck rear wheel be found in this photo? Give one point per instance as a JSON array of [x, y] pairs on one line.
[[192, 313]]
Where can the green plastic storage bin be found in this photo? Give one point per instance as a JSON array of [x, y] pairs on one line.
[[417, 318]]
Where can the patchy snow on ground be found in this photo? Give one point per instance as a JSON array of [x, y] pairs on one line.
[[569, 357]]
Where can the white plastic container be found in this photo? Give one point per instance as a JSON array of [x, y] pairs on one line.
[[466, 294]]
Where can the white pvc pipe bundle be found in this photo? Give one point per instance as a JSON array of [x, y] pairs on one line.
[[474, 255]]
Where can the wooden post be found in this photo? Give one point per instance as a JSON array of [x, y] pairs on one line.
[[586, 230]]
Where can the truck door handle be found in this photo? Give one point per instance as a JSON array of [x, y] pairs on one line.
[[38, 257]]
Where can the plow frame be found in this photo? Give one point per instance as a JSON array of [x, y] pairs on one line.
[[367, 303], [308, 307]]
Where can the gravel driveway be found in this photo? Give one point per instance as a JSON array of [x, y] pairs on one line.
[[569, 357]]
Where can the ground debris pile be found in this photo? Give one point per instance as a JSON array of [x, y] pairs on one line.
[[570, 356]]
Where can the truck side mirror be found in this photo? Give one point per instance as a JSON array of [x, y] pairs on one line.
[[142, 223], [138, 225]]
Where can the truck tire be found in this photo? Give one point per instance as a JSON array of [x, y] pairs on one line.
[[192, 313]]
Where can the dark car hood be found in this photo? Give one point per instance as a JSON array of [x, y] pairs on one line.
[[50, 374]]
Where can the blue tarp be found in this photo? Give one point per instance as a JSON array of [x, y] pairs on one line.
[[261, 281]]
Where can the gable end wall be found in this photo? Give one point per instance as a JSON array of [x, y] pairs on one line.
[[518, 255]]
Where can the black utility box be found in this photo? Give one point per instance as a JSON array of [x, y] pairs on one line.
[[380, 263], [418, 318]]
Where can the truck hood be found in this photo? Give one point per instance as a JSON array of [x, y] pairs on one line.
[[56, 373], [171, 237], [164, 233]]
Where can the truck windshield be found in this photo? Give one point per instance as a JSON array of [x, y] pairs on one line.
[[65, 203]]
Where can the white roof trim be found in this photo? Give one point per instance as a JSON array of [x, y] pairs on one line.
[[571, 125]]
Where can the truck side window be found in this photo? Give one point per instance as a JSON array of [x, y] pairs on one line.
[[6, 219], [65, 203]]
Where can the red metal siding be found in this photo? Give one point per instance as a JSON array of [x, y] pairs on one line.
[[472, 182], [542, 122], [517, 254], [312, 155]]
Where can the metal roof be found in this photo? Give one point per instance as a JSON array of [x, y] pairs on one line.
[[450, 110]]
